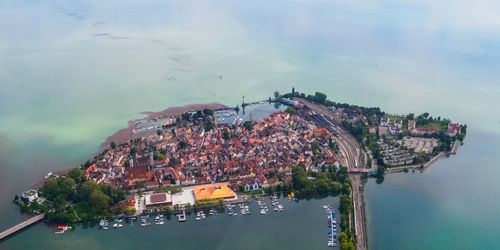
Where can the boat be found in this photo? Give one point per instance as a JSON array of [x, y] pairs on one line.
[[59, 231]]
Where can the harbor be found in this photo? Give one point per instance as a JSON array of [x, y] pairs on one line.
[[305, 216]]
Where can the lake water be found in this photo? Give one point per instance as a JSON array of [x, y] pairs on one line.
[[74, 72]]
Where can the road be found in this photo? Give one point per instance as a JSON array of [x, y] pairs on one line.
[[350, 150]]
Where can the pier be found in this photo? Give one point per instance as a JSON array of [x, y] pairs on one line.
[[182, 217], [21, 225]]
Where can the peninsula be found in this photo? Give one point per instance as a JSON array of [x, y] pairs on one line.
[[200, 157]]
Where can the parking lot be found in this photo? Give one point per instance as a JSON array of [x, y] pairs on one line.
[[395, 156], [419, 144]]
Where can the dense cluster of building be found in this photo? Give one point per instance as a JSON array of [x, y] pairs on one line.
[[253, 158]]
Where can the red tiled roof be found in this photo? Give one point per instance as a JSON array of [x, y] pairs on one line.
[[158, 198]]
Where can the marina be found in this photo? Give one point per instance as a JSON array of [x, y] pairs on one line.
[[332, 226], [242, 207]]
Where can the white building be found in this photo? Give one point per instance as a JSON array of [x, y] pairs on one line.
[[289, 102], [31, 195]]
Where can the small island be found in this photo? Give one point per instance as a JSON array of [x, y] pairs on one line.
[[206, 158]]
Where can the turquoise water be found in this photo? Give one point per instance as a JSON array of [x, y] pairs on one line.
[[74, 72]]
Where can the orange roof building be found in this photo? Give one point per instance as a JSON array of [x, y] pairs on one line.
[[320, 132], [213, 191]]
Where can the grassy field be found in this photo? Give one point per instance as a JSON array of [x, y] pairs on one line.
[[394, 117], [440, 126]]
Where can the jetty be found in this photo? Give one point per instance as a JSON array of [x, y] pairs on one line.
[[21, 225], [182, 217]]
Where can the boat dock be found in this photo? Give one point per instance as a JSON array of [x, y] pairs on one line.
[[21, 225], [182, 217], [332, 225]]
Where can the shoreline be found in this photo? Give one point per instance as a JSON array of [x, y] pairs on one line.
[[351, 152], [126, 134]]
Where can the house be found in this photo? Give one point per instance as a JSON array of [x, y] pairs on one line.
[[150, 185], [320, 133], [372, 129], [143, 161], [394, 130], [30, 195], [138, 174], [411, 125], [384, 122], [251, 186], [453, 129]]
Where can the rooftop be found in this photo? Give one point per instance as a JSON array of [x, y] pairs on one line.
[[213, 191]]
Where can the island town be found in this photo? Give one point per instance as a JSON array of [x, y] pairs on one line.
[[214, 160]]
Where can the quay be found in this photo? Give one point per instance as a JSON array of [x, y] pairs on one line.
[[244, 104], [21, 225]]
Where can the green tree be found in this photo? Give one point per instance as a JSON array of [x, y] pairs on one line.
[[209, 112], [248, 125], [76, 174], [226, 135], [276, 94], [291, 110], [113, 145], [345, 242], [320, 97], [130, 211], [99, 201]]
